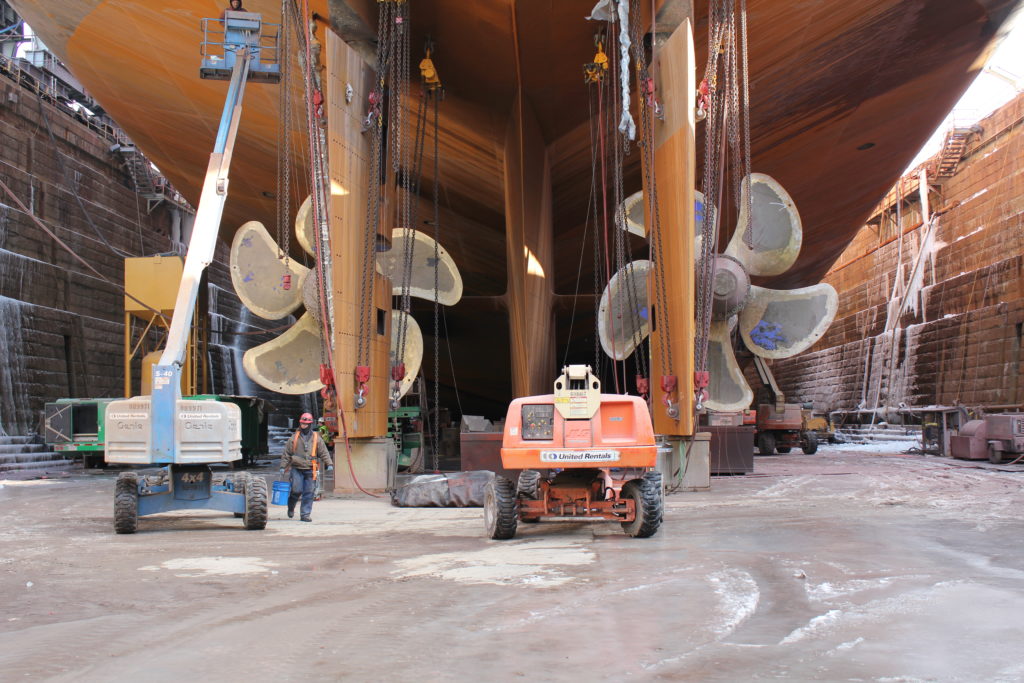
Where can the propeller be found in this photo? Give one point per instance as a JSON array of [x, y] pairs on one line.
[[290, 363], [772, 323]]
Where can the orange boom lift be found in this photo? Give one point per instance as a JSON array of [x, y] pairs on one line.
[[600, 449]]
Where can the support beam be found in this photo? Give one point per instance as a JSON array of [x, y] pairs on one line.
[[349, 154], [528, 250], [675, 175]]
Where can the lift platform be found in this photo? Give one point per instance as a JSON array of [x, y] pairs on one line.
[[188, 435]]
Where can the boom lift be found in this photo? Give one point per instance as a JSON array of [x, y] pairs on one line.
[[187, 435], [602, 448]]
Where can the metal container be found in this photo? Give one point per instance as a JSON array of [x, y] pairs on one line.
[[972, 441], [732, 449]]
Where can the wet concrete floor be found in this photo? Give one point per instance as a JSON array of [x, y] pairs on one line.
[[841, 566]]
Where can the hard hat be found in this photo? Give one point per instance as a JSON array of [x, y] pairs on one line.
[[319, 420], [306, 418]]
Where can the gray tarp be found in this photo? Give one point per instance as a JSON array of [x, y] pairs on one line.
[[455, 489]]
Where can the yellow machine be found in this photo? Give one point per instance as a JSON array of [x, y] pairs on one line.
[[151, 286]]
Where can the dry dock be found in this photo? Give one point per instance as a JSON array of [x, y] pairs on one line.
[[845, 565]]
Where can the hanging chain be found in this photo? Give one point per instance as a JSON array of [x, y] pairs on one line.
[[437, 281], [593, 94], [748, 237], [375, 124], [284, 150], [727, 124]]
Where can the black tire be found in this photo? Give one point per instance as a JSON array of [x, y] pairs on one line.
[[255, 517], [240, 480], [810, 443], [529, 484], [783, 449], [500, 514], [766, 443], [647, 495], [126, 503]]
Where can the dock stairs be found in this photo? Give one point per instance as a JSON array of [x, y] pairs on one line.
[[954, 146], [19, 454]]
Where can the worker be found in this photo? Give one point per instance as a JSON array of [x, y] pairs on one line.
[[325, 433], [302, 453], [233, 6]]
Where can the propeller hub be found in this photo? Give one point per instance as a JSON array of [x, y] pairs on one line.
[[731, 287]]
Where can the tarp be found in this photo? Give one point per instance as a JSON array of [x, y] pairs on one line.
[[455, 489]]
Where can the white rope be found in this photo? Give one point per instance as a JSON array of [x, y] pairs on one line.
[[602, 12], [626, 125]]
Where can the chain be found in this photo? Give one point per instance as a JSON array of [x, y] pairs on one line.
[[375, 121], [748, 238], [727, 124], [284, 188], [437, 281], [597, 243], [633, 296]]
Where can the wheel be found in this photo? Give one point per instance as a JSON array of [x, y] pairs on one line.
[[783, 449], [126, 503], [529, 484], [529, 487], [766, 443], [647, 497], [255, 517], [500, 515], [240, 480], [994, 456], [810, 443]]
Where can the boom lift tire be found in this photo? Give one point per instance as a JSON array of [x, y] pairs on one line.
[[647, 496], [500, 514], [126, 503], [240, 479], [255, 503], [809, 445], [766, 443], [529, 484]]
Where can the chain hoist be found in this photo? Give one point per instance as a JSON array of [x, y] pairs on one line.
[[724, 99]]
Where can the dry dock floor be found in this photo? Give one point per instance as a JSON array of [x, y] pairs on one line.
[[840, 566]]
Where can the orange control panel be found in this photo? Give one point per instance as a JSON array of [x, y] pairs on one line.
[[538, 436]]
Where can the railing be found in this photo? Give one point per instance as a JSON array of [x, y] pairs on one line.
[[215, 44], [46, 89]]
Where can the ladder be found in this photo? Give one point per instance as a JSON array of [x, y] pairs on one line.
[[953, 148]]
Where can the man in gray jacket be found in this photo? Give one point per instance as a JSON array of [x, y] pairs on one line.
[[305, 456]]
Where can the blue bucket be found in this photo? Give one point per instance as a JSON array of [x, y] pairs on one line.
[[281, 491]]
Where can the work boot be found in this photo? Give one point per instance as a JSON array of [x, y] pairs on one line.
[[305, 519], [291, 513]]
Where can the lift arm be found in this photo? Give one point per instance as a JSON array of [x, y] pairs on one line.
[[243, 44]]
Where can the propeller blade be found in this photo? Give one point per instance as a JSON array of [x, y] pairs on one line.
[[289, 364], [779, 323], [390, 264], [777, 233], [258, 270], [305, 231], [624, 312], [633, 210], [728, 390], [413, 356]]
